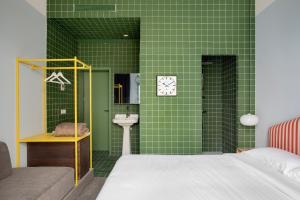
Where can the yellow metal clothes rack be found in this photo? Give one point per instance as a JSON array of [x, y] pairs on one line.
[[46, 137]]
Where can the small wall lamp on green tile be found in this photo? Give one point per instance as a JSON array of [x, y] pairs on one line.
[[249, 120]]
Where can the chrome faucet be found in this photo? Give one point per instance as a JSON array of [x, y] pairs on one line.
[[127, 111]]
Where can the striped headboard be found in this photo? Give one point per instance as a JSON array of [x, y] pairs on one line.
[[286, 136]]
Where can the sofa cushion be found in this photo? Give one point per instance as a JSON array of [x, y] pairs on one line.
[[5, 163], [42, 183]]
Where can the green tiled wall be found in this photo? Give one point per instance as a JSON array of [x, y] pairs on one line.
[[212, 107], [229, 122], [174, 36], [121, 56], [60, 44]]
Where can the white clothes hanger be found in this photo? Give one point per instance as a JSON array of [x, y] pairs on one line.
[[60, 75], [57, 78], [51, 76]]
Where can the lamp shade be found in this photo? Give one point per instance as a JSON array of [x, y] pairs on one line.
[[249, 120]]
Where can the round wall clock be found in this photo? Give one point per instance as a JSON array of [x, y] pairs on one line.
[[166, 85]]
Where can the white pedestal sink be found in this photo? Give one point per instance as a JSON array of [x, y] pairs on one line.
[[126, 123]]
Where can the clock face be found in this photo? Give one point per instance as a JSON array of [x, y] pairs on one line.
[[166, 85]]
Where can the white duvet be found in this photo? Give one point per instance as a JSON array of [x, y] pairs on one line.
[[205, 177]]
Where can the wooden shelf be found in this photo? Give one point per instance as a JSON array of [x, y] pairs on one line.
[[47, 137]]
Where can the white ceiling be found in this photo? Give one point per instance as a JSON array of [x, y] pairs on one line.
[[262, 5], [39, 5]]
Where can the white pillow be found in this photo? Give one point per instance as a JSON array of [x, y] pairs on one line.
[[278, 159]]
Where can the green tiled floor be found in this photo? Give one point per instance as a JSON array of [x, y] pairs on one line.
[[103, 163]]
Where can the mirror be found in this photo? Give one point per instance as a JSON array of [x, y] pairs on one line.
[[127, 88]]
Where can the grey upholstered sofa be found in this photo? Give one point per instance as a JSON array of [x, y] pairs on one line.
[[29, 183]]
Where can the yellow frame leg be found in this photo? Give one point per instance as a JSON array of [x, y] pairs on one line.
[[17, 112], [91, 121], [76, 120]]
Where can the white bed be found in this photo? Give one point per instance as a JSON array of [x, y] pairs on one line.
[[206, 177]]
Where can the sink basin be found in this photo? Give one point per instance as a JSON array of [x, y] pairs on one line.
[[122, 120], [126, 123]]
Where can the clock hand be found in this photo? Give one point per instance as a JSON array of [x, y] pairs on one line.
[[163, 83], [170, 83]]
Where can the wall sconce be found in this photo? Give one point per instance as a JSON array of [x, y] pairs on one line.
[[249, 120]]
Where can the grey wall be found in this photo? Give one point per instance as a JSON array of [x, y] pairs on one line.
[[277, 65], [23, 34]]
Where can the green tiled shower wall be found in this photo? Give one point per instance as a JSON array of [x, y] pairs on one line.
[[212, 107], [121, 56], [60, 44], [219, 104], [229, 122], [174, 36]]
